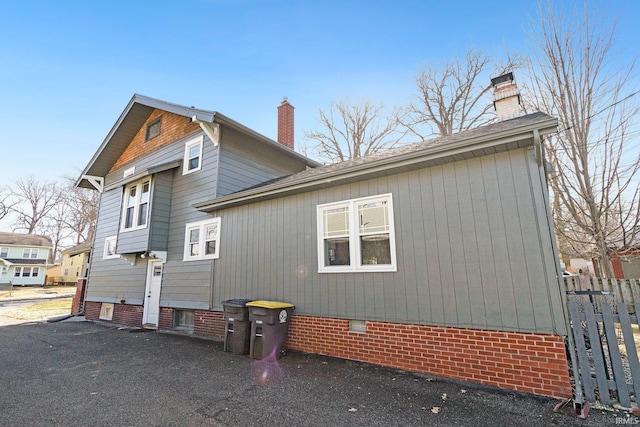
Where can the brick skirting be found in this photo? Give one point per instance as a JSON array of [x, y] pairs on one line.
[[527, 362], [532, 363]]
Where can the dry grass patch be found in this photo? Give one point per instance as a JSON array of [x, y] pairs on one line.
[[42, 310]]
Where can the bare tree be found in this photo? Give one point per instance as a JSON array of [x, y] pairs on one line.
[[453, 98], [574, 77], [5, 202], [82, 211], [54, 227], [34, 200], [353, 130]]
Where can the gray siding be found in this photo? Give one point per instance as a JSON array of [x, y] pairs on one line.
[[160, 211], [245, 163], [472, 244], [102, 283], [185, 285]]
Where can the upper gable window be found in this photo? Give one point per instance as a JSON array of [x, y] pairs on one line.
[[192, 155], [136, 205], [153, 129], [357, 235]]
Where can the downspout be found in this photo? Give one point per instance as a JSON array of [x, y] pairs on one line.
[[578, 399]]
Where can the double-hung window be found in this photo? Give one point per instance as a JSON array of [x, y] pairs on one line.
[[192, 155], [30, 253], [136, 205], [202, 240], [357, 235], [4, 252]]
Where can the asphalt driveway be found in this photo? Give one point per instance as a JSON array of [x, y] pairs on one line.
[[83, 373]]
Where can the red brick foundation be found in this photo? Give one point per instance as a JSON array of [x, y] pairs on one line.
[[209, 324], [123, 314], [532, 363], [76, 304], [527, 362]]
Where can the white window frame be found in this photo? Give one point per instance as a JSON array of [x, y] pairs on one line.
[[17, 272], [353, 235], [200, 226], [26, 272], [105, 254], [139, 185], [35, 271], [3, 249], [31, 252], [129, 172], [195, 142]]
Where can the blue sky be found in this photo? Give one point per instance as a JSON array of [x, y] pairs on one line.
[[68, 68]]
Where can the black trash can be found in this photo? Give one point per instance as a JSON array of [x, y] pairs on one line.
[[237, 326], [269, 328]]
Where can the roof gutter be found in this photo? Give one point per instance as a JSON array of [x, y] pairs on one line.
[[331, 178]]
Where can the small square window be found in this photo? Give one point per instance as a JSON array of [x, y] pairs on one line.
[[153, 129], [184, 319], [109, 248]]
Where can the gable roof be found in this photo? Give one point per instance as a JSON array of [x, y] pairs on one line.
[[78, 249], [20, 239], [502, 136], [136, 114]]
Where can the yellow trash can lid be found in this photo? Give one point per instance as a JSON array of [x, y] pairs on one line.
[[269, 304]]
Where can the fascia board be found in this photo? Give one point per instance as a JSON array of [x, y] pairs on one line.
[[431, 153]]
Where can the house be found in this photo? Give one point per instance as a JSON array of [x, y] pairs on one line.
[[75, 263], [54, 275], [23, 258], [437, 257], [626, 263]]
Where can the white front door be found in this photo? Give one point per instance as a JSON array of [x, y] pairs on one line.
[[151, 311]]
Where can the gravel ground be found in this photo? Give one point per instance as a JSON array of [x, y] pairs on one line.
[[84, 373]]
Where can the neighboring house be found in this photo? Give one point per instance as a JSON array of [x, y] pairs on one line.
[[436, 257], [626, 263], [54, 275], [23, 258], [75, 263]]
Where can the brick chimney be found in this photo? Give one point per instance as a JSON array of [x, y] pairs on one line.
[[506, 97], [285, 123]]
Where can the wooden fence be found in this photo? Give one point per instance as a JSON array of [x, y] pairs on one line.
[[604, 315]]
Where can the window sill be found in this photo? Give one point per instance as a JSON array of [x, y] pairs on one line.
[[372, 269]]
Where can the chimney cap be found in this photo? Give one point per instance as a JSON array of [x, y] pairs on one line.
[[502, 79]]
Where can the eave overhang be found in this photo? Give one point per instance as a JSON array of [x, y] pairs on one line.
[[136, 114], [481, 144], [143, 173]]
